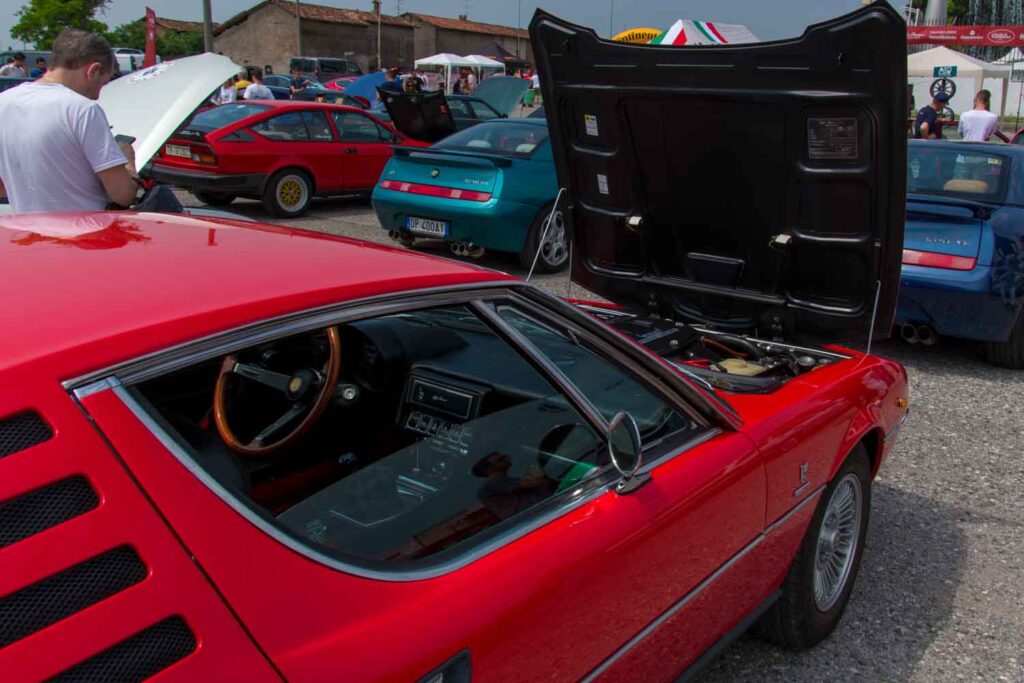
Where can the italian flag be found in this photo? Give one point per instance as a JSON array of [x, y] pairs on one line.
[[689, 32]]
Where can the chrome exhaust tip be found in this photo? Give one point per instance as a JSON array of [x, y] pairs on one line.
[[395, 235], [926, 335], [474, 251], [909, 333]]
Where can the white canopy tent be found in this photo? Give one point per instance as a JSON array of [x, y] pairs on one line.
[[445, 62], [486, 64], [1014, 56], [923, 65]]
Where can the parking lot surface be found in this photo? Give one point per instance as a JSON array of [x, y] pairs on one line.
[[940, 596]]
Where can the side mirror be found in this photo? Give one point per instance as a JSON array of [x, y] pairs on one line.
[[626, 452]]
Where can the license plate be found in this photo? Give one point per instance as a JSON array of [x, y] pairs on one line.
[[427, 226], [177, 151]]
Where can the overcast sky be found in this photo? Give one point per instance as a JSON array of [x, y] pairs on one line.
[[769, 20]]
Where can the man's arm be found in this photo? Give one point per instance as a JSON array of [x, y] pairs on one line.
[[119, 185], [925, 130]]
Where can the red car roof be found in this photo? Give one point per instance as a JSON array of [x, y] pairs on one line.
[[84, 291]]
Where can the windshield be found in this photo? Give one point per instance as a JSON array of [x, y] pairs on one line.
[[499, 138], [947, 171], [218, 117]]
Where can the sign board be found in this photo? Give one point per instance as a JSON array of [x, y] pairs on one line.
[[944, 72], [1000, 36]]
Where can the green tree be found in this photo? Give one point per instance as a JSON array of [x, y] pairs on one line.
[[40, 21], [170, 44]]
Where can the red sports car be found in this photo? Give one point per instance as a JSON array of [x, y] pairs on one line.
[[282, 152], [242, 452], [340, 83]]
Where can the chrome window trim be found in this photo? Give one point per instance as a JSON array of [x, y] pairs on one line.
[[308, 551], [698, 589], [187, 353]]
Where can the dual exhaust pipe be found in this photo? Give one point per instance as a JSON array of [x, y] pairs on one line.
[[923, 334], [466, 249], [463, 249]]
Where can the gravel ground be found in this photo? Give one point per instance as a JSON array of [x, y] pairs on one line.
[[940, 596]]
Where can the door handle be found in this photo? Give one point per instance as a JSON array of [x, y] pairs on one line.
[[351, 150]]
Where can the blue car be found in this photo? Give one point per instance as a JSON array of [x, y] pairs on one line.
[[491, 186], [963, 256]]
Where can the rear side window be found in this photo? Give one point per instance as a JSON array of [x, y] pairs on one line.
[[319, 129], [290, 127], [218, 117]]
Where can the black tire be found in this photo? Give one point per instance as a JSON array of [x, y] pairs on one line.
[[288, 193], [1010, 353], [555, 256], [214, 198], [796, 620]]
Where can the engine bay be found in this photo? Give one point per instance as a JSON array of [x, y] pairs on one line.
[[731, 362]]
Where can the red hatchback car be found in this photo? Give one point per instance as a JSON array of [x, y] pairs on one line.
[[281, 152]]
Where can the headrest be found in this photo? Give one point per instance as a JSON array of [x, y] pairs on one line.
[[964, 185]]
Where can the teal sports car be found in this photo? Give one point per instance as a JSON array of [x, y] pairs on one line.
[[491, 186]]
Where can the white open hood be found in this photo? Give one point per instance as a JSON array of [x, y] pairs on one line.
[[152, 103]]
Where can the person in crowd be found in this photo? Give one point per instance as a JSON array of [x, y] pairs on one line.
[[227, 92], [926, 125], [16, 67], [242, 81], [258, 91], [978, 124], [39, 69], [412, 84], [67, 160], [297, 87]]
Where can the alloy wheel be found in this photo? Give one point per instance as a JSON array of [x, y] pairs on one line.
[[838, 538]]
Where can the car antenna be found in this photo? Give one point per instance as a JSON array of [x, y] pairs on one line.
[[544, 232], [874, 312]]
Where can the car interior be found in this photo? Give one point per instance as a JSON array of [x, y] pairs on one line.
[[402, 438]]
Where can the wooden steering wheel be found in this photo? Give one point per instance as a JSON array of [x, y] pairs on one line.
[[308, 390]]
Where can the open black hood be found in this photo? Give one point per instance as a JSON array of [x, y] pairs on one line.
[[757, 187], [421, 116]]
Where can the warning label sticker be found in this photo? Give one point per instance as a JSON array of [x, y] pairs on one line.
[[602, 183], [590, 121], [832, 139]]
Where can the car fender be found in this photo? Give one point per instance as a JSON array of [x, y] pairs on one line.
[[875, 422]]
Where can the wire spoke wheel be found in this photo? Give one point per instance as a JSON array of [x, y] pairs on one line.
[[838, 539]]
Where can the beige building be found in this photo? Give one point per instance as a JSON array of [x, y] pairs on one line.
[[267, 34]]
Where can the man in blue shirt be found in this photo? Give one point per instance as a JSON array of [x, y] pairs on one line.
[[926, 125], [39, 70], [298, 85]]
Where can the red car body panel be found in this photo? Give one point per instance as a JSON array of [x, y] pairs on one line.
[[602, 589], [335, 166]]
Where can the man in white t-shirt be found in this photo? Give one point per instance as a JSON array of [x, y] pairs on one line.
[[256, 90], [16, 68], [978, 124], [67, 159]]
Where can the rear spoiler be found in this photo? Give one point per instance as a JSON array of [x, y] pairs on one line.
[[978, 209], [456, 158]]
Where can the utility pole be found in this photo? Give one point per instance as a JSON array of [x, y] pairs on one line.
[[207, 27], [376, 10], [298, 30], [519, 24], [611, 20]]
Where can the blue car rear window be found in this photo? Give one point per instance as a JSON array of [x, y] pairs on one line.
[[497, 138], [969, 173]]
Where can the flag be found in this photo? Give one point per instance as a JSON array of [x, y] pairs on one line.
[[150, 58], [691, 32]]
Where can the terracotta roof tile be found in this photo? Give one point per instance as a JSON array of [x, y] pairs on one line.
[[178, 25], [471, 26]]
